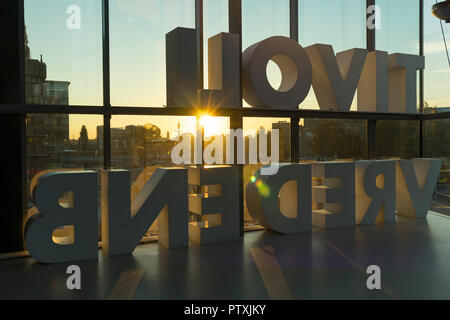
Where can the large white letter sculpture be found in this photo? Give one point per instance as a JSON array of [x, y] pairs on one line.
[[82, 215], [282, 202], [375, 191], [181, 68], [125, 223], [385, 83], [217, 204], [373, 94], [183, 89], [335, 78], [335, 195], [416, 180], [295, 69], [403, 81], [224, 75]]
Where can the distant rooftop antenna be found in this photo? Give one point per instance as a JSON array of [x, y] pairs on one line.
[[178, 130]]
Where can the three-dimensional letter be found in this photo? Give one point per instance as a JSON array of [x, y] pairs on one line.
[[375, 191], [282, 202], [416, 180], [216, 205], [335, 78], [125, 223], [295, 68], [82, 215], [334, 196]]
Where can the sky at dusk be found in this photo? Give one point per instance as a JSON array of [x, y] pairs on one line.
[[138, 28]]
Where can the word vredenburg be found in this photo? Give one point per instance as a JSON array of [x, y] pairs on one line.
[[323, 194]]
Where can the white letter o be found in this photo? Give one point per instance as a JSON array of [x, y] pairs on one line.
[[295, 67]]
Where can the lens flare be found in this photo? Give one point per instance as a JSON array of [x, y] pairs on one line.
[[263, 188]]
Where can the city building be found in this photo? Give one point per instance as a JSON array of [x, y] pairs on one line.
[[284, 130], [47, 134]]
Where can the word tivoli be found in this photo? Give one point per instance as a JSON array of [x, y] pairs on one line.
[[323, 194], [385, 82]]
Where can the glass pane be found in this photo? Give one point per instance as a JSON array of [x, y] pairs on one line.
[[332, 139], [341, 24], [399, 30], [436, 138], [215, 21], [262, 19], [138, 50], [437, 68], [141, 144], [63, 50], [399, 139], [436, 144], [251, 128], [62, 142]]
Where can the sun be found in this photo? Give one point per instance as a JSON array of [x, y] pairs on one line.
[[212, 125]]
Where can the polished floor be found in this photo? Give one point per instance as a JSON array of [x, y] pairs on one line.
[[414, 257]]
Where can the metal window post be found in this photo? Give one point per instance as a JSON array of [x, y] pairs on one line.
[[295, 131], [106, 87], [13, 168], [199, 30], [236, 120], [371, 125], [421, 77]]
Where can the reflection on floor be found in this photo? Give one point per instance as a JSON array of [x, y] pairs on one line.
[[414, 257], [441, 207]]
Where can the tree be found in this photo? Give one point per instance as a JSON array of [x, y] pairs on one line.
[[436, 135], [141, 137], [337, 139]]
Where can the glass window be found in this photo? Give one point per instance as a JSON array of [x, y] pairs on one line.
[[436, 144], [398, 138], [138, 51], [332, 139], [262, 19], [142, 144], [215, 21], [62, 142], [63, 51], [341, 24], [251, 128], [399, 30], [436, 138], [138, 142], [437, 68]]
